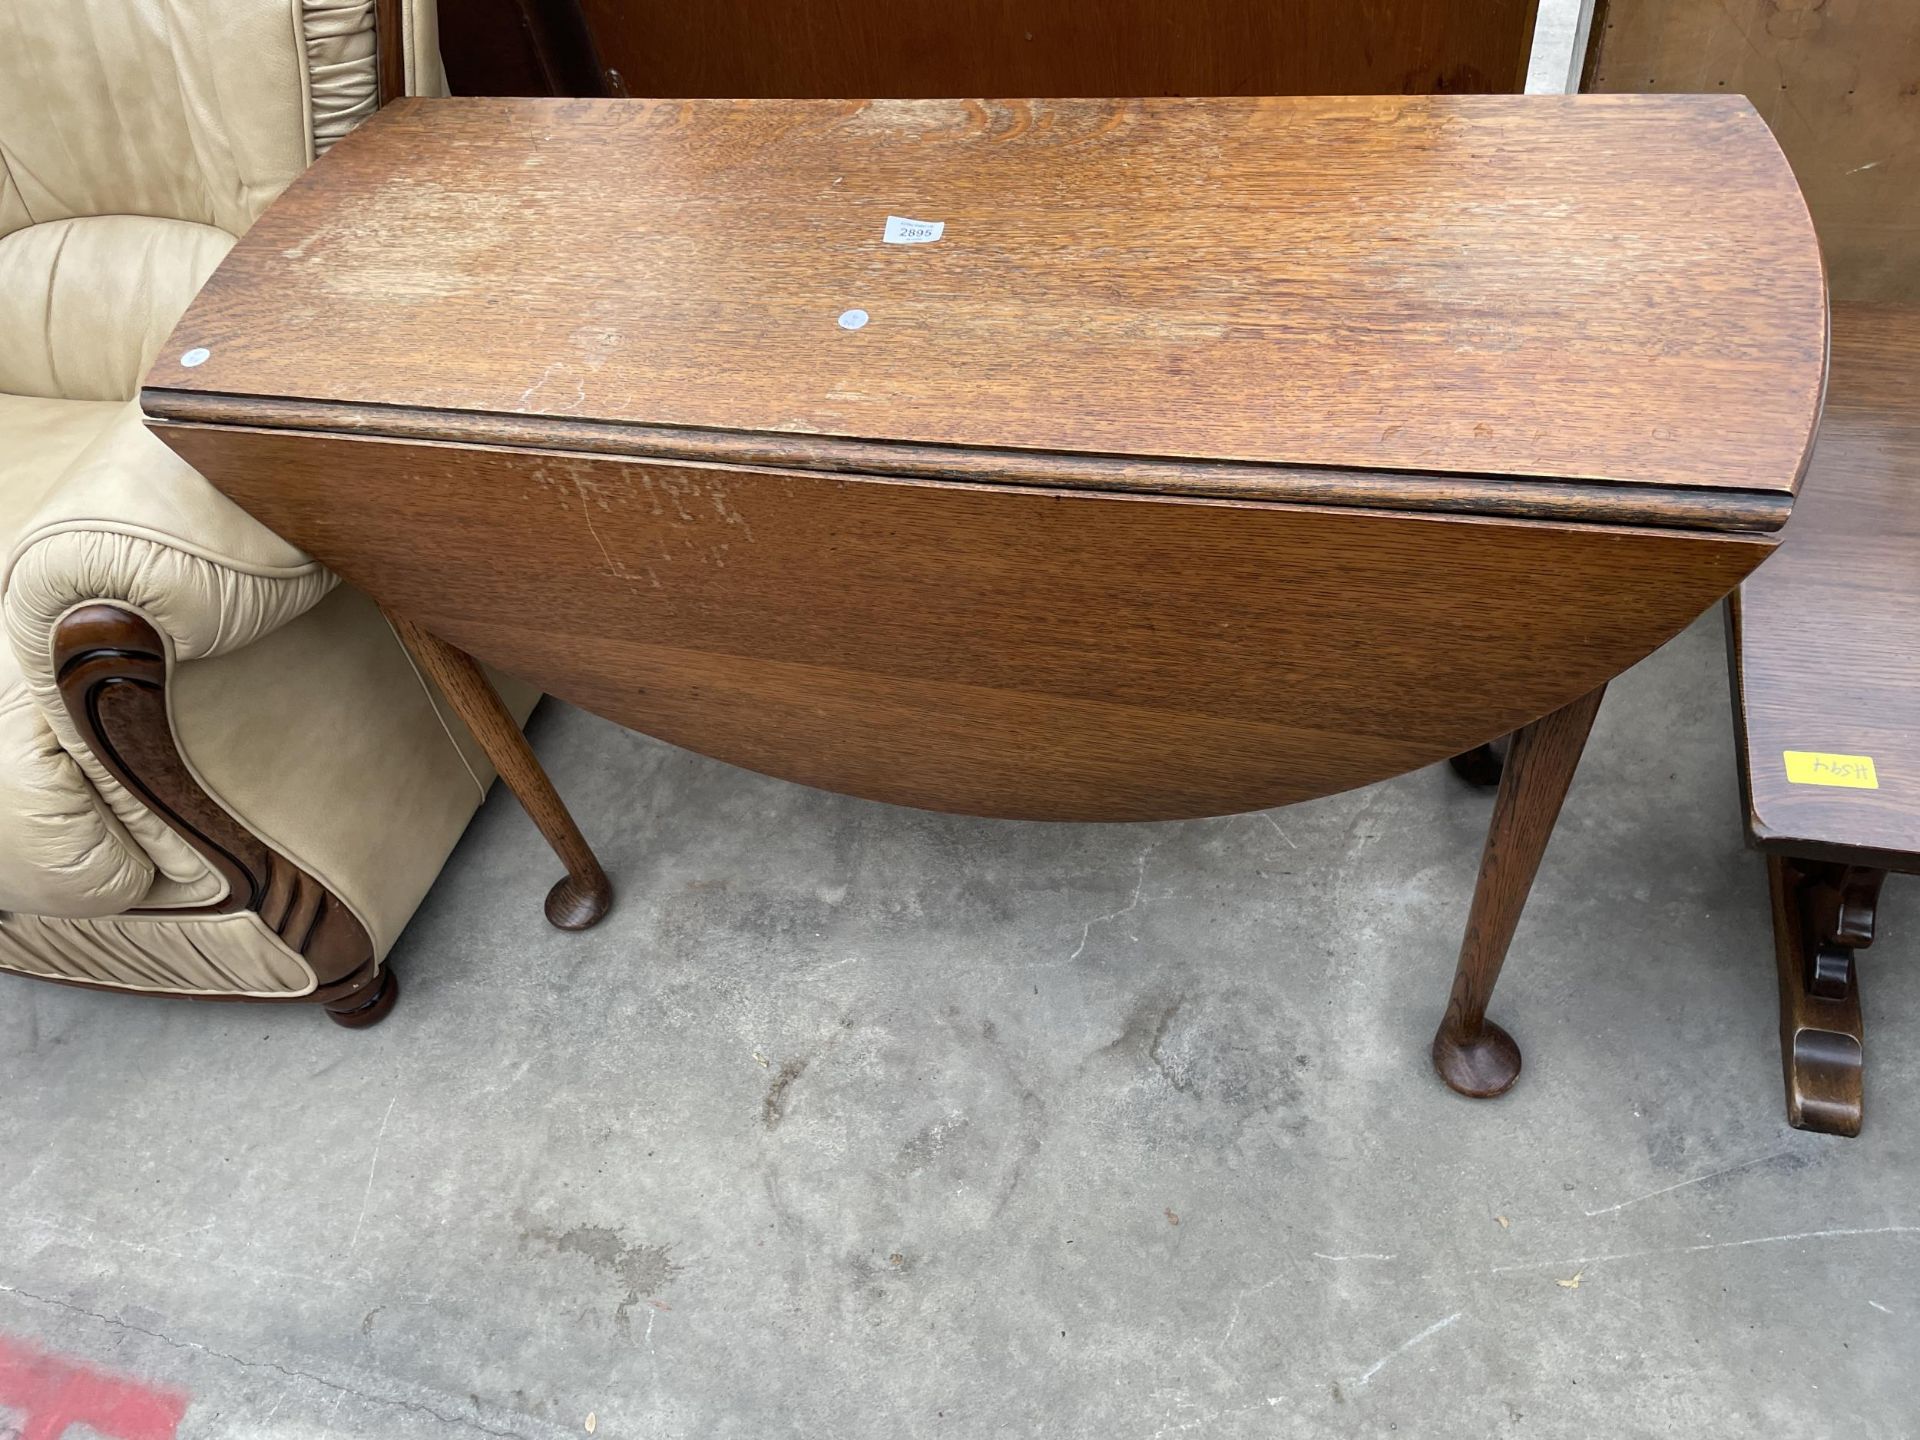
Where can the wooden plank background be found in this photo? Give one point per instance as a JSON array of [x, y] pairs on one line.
[[1839, 82]]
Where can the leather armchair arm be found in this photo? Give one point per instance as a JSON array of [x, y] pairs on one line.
[[133, 526]]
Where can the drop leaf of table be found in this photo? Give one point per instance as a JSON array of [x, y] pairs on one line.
[[1217, 454]]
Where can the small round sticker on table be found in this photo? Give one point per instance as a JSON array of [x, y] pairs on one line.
[[196, 356], [852, 319]]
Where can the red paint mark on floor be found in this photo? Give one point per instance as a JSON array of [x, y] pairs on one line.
[[53, 1392]]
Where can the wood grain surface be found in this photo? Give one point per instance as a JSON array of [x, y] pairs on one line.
[[989, 649], [1824, 638], [1703, 509], [1622, 290], [1061, 47], [1837, 81], [390, 54]]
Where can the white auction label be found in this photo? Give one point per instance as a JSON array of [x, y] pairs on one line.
[[902, 231]]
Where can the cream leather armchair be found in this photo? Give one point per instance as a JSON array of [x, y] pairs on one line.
[[220, 775]]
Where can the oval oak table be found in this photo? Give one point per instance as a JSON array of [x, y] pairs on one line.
[[1061, 460]]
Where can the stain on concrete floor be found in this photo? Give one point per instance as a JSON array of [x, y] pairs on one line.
[[644, 1270]]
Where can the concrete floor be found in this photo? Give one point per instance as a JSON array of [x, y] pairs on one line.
[[859, 1122]]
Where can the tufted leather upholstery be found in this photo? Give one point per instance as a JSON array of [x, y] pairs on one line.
[[138, 139]]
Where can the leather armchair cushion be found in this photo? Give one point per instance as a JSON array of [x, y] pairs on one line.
[[85, 304], [13, 210], [190, 109], [39, 440]]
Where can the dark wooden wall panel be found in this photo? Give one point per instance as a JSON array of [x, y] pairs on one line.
[[942, 48], [519, 47], [1839, 82]]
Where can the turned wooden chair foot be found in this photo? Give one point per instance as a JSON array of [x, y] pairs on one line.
[[583, 895], [1483, 764], [1822, 913], [366, 1007], [1473, 1055]]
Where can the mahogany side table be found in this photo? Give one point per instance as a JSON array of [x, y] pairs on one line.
[[1064, 460]]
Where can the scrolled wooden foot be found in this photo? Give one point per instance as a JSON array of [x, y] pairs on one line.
[[366, 1007], [1472, 1054], [1822, 913], [1825, 1073], [584, 895]]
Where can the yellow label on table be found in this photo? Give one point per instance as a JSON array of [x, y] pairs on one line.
[[1812, 767]]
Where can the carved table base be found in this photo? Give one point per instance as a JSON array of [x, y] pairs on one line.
[[1822, 913]]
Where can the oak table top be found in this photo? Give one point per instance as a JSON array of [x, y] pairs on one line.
[[1617, 290], [1048, 459]]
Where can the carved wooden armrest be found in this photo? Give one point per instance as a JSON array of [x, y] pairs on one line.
[[112, 668]]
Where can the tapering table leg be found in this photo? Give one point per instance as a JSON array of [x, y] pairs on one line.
[[1473, 1055], [584, 894]]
